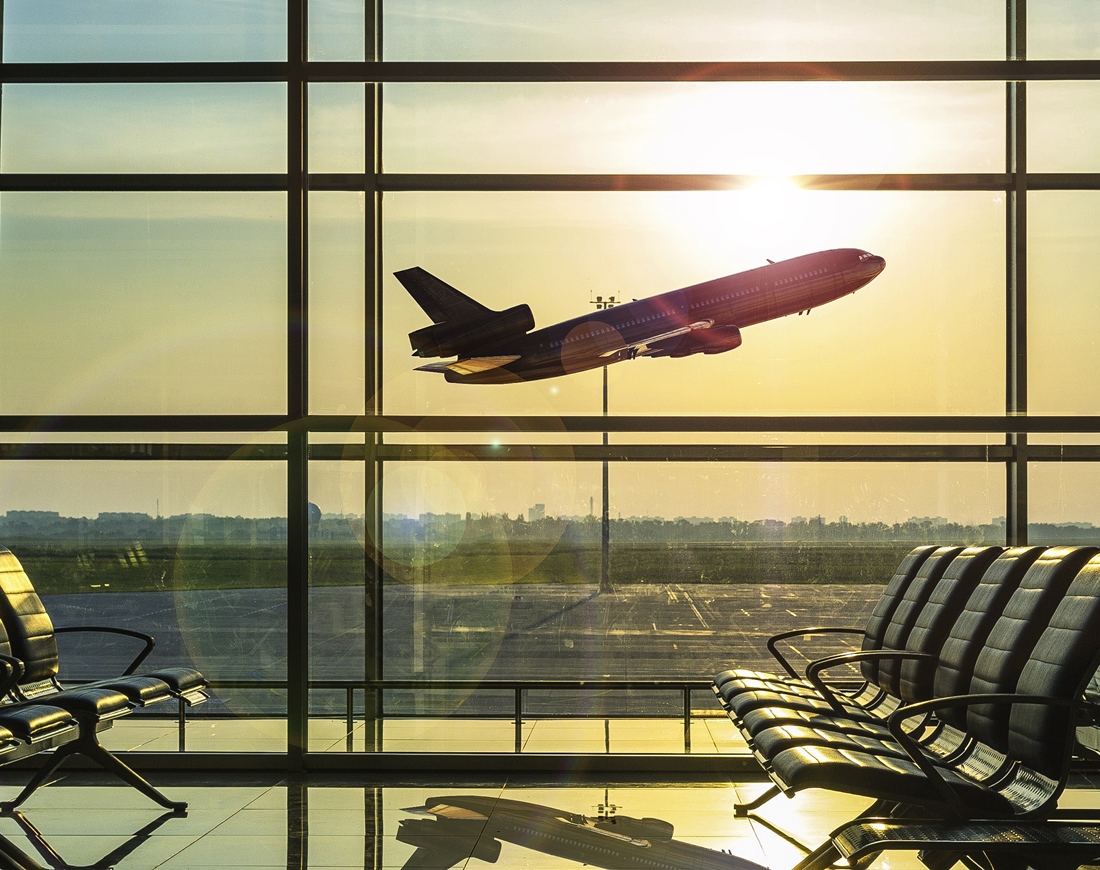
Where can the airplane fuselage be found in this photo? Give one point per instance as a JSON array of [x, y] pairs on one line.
[[703, 318]]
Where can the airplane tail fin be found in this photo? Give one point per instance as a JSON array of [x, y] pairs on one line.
[[440, 301], [460, 325]]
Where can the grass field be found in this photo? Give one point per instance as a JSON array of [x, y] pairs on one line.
[[59, 567]]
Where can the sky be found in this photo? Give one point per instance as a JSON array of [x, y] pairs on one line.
[[174, 302]]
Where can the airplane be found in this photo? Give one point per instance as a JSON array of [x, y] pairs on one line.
[[498, 347], [469, 826]]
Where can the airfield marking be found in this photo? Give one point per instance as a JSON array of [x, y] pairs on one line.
[[691, 604]]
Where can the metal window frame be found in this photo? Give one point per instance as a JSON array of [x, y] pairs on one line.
[[1015, 426]]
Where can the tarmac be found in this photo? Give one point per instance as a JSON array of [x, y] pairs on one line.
[[639, 632]]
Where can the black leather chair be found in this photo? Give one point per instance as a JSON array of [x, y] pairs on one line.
[[96, 705], [1016, 736]]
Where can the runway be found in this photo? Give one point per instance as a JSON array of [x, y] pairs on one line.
[[647, 631]]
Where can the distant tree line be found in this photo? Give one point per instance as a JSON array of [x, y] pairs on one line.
[[453, 528]]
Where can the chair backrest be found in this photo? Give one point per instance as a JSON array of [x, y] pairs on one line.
[[895, 629], [929, 622], [879, 621], [29, 629], [967, 634], [1015, 635], [1061, 665], [967, 602]]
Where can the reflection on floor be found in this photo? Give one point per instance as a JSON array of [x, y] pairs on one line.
[[247, 820], [709, 735]]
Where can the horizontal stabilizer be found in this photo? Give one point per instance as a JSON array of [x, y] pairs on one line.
[[470, 366], [440, 301]]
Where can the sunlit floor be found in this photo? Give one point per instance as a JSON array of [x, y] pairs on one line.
[[330, 820], [708, 735]]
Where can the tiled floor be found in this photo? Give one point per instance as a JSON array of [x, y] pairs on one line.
[[256, 821]]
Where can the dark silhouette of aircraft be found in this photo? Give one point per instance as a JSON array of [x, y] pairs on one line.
[[498, 347], [465, 826]]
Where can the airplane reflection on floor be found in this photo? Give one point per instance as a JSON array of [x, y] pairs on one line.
[[465, 826]]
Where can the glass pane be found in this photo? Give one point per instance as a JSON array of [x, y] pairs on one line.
[[704, 559], [339, 633], [906, 344], [143, 303], [337, 29], [1064, 502], [209, 127], [701, 30], [337, 251], [191, 552], [338, 569], [473, 553], [1063, 126], [1064, 301], [70, 31], [762, 128], [337, 127], [1063, 29]]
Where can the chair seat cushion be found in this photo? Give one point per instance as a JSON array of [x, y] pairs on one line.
[[878, 776], [91, 701], [33, 722], [139, 689], [180, 680]]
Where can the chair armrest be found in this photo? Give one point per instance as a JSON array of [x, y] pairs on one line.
[[814, 669], [898, 732], [150, 641], [775, 638], [11, 671]]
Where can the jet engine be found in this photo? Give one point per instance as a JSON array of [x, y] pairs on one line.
[[460, 336], [717, 339]]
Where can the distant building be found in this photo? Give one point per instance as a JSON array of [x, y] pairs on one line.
[[536, 512]]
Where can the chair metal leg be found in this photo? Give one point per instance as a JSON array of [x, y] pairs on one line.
[[742, 810], [127, 774], [88, 745], [55, 761]]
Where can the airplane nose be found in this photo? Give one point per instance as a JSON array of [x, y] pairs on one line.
[[877, 264]]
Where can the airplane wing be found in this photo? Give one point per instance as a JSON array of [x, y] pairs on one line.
[[440, 301], [641, 344], [470, 365]]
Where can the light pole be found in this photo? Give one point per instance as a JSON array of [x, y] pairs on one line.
[[605, 519]]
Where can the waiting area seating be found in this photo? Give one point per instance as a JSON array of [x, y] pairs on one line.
[[38, 713], [974, 666]]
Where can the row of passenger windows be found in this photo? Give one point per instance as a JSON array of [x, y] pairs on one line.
[[800, 276]]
